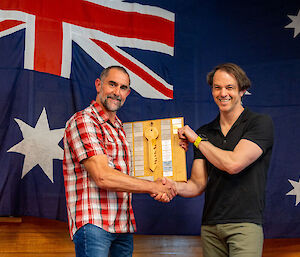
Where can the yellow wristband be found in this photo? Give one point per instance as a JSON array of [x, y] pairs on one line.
[[197, 141]]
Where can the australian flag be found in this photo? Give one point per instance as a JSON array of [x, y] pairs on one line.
[[52, 51]]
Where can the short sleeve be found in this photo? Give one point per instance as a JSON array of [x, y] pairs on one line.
[[85, 137], [261, 131]]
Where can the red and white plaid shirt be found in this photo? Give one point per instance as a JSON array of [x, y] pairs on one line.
[[88, 133]]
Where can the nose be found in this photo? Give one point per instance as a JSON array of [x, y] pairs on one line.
[[223, 92]]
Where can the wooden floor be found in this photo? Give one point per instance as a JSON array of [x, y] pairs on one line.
[[49, 238]]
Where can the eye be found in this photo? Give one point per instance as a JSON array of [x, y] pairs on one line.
[[231, 87], [124, 87]]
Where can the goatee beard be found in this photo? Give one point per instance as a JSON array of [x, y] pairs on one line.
[[109, 107]]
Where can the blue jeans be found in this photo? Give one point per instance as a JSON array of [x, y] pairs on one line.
[[92, 241]]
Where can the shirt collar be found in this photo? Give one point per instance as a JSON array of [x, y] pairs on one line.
[[243, 117], [103, 117]]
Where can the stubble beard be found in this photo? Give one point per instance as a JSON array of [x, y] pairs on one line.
[[112, 107]]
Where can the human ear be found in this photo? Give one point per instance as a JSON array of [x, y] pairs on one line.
[[242, 92], [97, 84], [129, 90]]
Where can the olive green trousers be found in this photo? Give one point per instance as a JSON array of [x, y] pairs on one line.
[[233, 239]]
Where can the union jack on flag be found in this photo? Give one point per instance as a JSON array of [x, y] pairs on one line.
[[50, 53], [101, 28]]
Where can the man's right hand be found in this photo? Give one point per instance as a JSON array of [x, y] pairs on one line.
[[186, 133], [166, 190]]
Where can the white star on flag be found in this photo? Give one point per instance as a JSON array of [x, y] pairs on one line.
[[295, 24], [40, 145], [295, 191]]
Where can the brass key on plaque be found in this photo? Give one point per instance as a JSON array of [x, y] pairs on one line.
[[151, 134]]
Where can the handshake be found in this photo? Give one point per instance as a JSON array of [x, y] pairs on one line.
[[165, 190]]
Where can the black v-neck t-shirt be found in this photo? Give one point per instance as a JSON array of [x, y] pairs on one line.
[[239, 197]]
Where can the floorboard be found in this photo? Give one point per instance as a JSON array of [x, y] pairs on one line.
[[32, 237]]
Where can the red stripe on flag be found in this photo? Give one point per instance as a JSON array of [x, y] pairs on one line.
[[48, 46], [4, 25], [135, 69], [128, 24]]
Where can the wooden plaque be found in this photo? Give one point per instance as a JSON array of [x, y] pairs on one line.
[[155, 149]]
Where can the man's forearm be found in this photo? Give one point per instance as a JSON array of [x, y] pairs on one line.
[[115, 180], [232, 162], [219, 158], [222, 159], [110, 179], [189, 188]]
